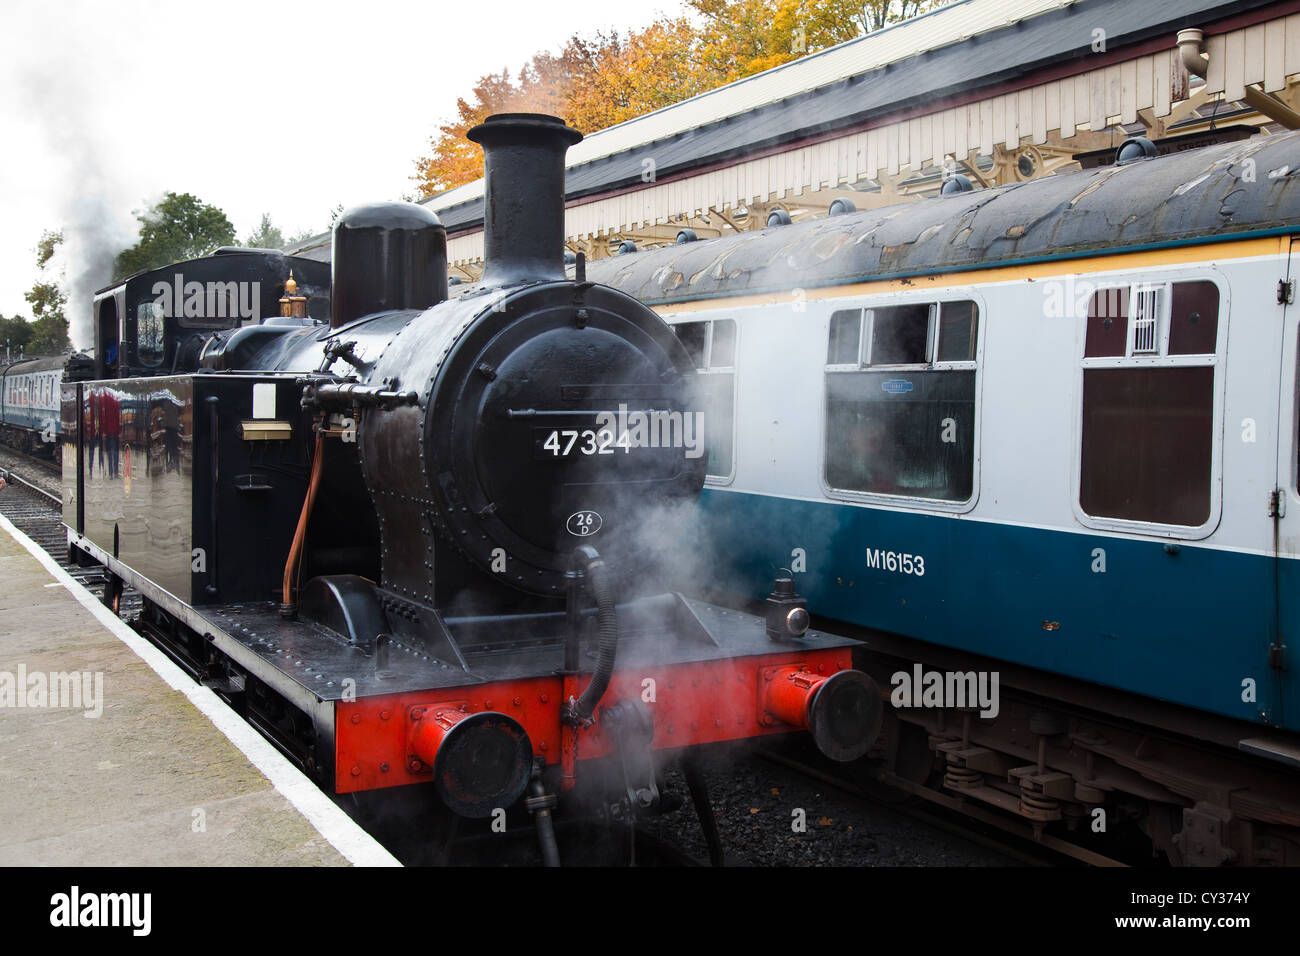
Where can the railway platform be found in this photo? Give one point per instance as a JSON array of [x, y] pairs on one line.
[[111, 756]]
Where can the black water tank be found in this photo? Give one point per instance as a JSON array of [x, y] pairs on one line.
[[387, 255]]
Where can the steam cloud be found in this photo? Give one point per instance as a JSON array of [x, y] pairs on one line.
[[94, 196]]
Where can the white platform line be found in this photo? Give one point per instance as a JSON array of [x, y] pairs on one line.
[[342, 832]]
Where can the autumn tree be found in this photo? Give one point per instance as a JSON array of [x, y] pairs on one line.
[[744, 37], [539, 88], [178, 227], [646, 71], [873, 14], [599, 81]]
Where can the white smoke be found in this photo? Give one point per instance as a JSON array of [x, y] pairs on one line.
[[58, 99]]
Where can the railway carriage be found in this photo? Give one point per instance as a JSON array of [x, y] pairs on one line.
[[1045, 433], [30, 393]]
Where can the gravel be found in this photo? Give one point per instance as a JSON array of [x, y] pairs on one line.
[[769, 814]]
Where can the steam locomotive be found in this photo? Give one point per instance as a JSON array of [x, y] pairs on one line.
[[431, 544]]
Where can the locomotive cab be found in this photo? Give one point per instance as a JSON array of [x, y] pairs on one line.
[[156, 322]]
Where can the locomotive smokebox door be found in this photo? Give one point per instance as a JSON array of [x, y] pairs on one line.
[[555, 432]]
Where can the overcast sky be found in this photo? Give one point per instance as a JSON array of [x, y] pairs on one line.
[[252, 105]]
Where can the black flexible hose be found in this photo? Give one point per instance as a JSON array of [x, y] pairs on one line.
[[607, 619], [704, 810]]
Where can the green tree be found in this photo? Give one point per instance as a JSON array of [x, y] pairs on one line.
[[301, 236], [176, 228], [49, 335], [266, 236], [15, 333], [49, 328], [49, 241]]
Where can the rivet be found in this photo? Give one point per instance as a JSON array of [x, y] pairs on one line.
[[518, 701], [356, 771], [356, 718], [383, 768], [384, 715]]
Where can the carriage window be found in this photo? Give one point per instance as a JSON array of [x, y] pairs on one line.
[[846, 331], [904, 432], [722, 351], [149, 329], [712, 346], [694, 335], [899, 335], [1148, 403], [1194, 318], [1107, 323], [958, 324]]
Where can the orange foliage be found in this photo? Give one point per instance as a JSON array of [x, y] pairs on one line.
[[598, 81]]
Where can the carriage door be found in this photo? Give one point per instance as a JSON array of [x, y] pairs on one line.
[[1283, 701]]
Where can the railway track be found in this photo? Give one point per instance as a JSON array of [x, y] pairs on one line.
[[32, 500], [949, 814]]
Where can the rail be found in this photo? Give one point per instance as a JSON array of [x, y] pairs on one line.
[[12, 477]]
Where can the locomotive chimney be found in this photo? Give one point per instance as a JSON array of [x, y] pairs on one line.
[[387, 255], [523, 205]]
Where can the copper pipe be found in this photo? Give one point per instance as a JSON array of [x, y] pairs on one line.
[[300, 535]]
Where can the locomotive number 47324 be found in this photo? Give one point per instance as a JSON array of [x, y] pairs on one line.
[[561, 442]]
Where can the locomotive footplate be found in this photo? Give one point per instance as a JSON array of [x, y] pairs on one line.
[[708, 683]]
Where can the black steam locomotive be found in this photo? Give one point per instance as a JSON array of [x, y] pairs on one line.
[[428, 543]]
